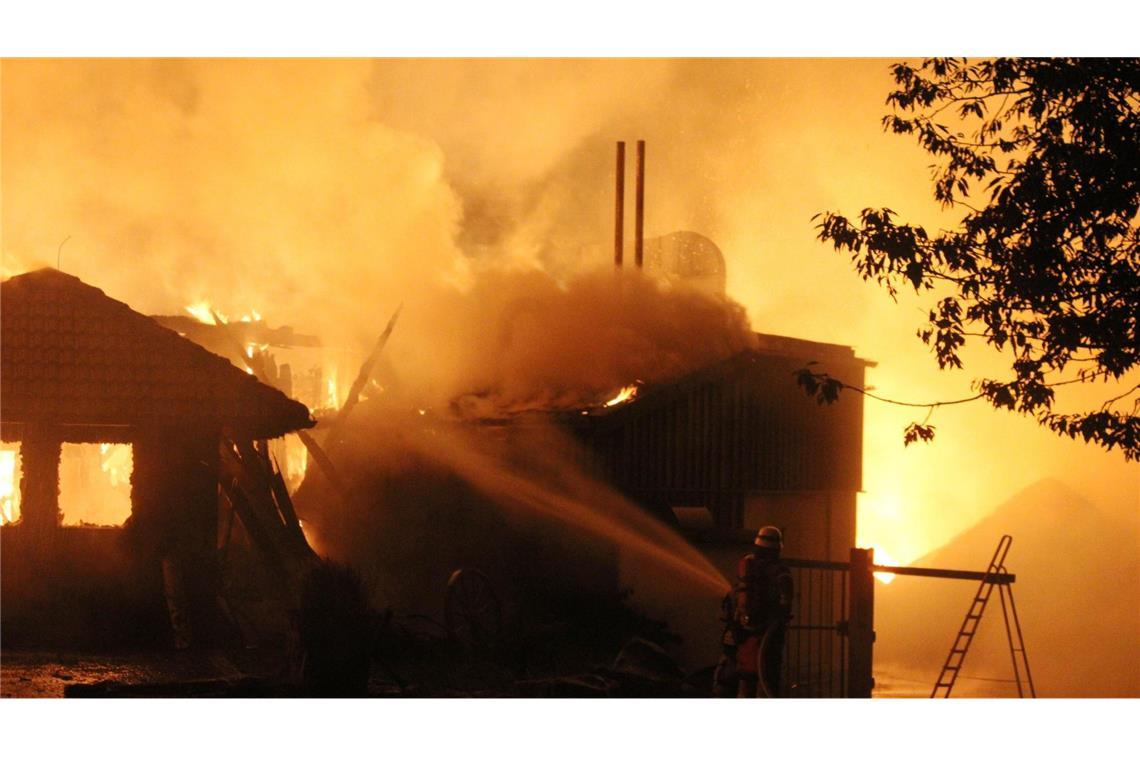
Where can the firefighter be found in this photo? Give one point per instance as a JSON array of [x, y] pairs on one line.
[[762, 607]]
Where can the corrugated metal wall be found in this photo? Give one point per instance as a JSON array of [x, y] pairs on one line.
[[741, 428]]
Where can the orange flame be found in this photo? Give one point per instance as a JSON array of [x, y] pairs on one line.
[[9, 490], [95, 484], [332, 393], [296, 461], [200, 310], [117, 460], [204, 311], [883, 558], [625, 394]]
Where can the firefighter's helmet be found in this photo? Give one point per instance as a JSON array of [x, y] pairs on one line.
[[769, 537]]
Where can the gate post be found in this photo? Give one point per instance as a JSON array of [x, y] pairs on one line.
[[861, 624]]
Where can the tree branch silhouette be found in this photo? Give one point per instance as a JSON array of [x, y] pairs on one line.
[[1047, 263]]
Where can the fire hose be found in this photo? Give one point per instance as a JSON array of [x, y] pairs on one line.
[[766, 643]]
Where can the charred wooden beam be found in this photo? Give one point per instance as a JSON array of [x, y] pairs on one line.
[[365, 373], [619, 206], [314, 448], [639, 208], [245, 332], [257, 493], [261, 537]]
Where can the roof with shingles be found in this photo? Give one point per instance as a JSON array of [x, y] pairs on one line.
[[71, 355]]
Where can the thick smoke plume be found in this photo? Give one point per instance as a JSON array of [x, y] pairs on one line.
[[252, 185], [308, 191], [522, 340]]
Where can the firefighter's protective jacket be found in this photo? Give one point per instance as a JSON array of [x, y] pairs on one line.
[[763, 592]]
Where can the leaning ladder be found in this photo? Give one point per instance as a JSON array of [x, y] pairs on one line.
[[953, 665]]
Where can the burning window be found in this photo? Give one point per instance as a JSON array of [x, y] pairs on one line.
[[95, 484], [9, 483]]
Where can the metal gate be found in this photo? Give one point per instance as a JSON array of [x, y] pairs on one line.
[[828, 643], [816, 649]]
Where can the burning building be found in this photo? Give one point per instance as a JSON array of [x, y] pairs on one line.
[[726, 447], [733, 445], [79, 369], [737, 445], [719, 441], [715, 452]]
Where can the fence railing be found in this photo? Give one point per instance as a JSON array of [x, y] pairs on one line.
[[830, 640]]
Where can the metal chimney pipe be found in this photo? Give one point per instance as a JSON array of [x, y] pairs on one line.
[[619, 205], [639, 207]]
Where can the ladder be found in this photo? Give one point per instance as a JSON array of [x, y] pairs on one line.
[[1016, 642], [953, 665]]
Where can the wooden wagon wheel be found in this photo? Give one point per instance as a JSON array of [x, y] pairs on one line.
[[472, 611]]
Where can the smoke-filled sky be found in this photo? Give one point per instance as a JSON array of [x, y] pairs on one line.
[[325, 193]]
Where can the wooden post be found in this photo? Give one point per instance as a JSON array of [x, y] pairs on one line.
[[174, 523], [39, 489], [639, 207], [861, 624], [619, 206]]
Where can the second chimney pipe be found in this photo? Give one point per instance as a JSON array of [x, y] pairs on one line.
[[619, 205], [639, 207]]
